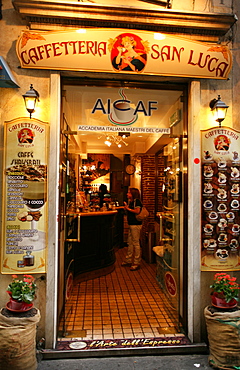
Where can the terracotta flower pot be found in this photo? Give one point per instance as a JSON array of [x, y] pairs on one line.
[[16, 306], [220, 302]]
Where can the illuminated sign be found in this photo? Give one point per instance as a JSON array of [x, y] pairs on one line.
[[122, 51]]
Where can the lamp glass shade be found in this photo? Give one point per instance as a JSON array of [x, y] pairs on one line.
[[31, 97], [219, 109], [221, 114], [30, 104]]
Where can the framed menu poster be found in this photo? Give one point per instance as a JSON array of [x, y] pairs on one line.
[[220, 249], [24, 202]]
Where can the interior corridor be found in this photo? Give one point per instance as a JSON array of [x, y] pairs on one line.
[[120, 304]]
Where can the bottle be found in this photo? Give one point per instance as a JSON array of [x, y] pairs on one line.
[[28, 259], [104, 208], [86, 206]]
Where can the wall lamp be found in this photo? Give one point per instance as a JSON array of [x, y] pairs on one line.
[[219, 109], [31, 97]]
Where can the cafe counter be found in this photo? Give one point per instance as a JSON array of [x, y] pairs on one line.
[[96, 235]]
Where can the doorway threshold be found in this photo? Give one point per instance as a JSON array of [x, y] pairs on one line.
[[163, 345]]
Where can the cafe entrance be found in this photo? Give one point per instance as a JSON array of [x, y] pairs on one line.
[[143, 145]]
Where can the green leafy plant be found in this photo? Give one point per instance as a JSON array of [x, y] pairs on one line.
[[225, 286], [22, 290]]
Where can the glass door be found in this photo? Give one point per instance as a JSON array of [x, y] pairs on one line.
[[170, 236], [69, 226]]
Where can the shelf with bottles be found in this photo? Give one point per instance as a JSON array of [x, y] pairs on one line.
[[89, 187], [86, 187]]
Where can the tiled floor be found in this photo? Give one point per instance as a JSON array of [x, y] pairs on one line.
[[121, 304]]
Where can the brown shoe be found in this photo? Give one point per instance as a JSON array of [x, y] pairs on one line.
[[126, 263], [134, 267]]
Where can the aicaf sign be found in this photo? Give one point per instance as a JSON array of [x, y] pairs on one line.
[[123, 51], [128, 114]]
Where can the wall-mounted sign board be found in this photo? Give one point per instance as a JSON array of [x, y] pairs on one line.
[[24, 199], [220, 200], [123, 51]]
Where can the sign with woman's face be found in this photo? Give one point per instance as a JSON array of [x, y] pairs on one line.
[[123, 51]]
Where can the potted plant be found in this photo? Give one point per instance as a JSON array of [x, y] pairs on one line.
[[18, 329], [225, 291], [222, 323], [22, 293]]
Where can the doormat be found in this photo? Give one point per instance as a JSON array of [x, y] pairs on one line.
[[66, 345]]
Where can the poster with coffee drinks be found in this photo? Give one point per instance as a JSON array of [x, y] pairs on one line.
[[24, 205], [220, 197]]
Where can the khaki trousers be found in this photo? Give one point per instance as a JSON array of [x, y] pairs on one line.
[[134, 248]]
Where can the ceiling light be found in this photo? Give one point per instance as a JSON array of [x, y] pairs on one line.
[[107, 142], [115, 139], [124, 135]]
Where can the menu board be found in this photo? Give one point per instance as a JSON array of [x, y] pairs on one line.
[[220, 199], [24, 209]]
